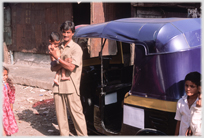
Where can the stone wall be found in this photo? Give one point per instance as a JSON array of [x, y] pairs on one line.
[[30, 59]]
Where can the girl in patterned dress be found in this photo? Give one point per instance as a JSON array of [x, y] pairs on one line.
[[9, 122]]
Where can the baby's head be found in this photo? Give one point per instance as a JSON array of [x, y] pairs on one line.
[[54, 39], [192, 83]]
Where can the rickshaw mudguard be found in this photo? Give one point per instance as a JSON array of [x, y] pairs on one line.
[[162, 105]]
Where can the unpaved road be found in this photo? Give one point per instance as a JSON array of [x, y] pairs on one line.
[[35, 113]]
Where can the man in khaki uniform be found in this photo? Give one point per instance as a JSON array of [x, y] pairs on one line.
[[67, 93]]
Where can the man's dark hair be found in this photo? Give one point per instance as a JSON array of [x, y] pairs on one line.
[[67, 25], [54, 36], [194, 77]]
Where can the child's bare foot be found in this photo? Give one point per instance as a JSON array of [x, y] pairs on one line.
[[65, 78], [56, 82]]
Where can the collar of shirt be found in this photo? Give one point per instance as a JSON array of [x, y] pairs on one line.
[[68, 45], [186, 101]]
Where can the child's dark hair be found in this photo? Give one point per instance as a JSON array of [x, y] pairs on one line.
[[54, 36], [194, 77], [67, 25], [10, 83]]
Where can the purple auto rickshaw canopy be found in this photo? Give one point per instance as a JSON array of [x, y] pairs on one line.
[[164, 32]]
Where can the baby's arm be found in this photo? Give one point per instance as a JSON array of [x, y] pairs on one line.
[[58, 51], [51, 48]]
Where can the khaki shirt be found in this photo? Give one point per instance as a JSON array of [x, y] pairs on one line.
[[74, 51]]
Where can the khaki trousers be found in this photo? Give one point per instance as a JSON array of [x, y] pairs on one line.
[[73, 102]]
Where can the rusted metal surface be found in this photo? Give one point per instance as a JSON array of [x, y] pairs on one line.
[[104, 12], [97, 13], [97, 16], [110, 10], [101, 12], [33, 22]]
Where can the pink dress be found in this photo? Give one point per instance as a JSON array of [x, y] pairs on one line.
[[9, 122]]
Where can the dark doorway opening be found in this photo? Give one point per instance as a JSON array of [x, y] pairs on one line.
[[125, 12], [81, 13]]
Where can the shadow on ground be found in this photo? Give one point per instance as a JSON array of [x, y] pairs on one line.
[[43, 118]]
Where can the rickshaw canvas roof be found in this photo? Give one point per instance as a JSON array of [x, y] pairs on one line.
[[159, 30]]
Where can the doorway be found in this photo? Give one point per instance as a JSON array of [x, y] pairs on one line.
[[81, 13]]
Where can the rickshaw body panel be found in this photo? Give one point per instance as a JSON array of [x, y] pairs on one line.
[[162, 76]]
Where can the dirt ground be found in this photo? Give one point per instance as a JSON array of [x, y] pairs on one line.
[[35, 113]]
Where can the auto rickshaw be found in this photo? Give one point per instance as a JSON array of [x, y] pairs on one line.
[[121, 96]]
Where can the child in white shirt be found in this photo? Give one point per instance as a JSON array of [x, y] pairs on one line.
[[187, 102]]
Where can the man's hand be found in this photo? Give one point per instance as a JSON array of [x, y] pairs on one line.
[[189, 132], [53, 53], [50, 47], [198, 103]]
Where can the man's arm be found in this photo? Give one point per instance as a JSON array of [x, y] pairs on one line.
[[64, 64], [67, 65]]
